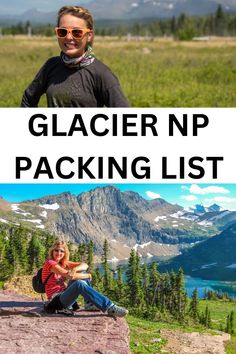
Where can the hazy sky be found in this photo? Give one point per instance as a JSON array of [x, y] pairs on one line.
[[183, 194], [20, 6]]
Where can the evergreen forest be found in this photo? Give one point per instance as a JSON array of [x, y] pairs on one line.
[[183, 27]]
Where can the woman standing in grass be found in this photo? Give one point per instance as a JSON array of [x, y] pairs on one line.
[[75, 78], [60, 268]]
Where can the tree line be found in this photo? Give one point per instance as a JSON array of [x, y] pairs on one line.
[[140, 287], [183, 27]]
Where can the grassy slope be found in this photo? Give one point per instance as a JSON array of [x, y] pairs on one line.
[[145, 335], [152, 74]]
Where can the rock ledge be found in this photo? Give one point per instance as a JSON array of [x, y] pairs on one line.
[[24, 329]]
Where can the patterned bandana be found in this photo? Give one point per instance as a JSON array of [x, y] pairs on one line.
[[86, 59]]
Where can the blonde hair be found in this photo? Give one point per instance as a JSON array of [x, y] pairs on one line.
[[77, 11], [63, 244]]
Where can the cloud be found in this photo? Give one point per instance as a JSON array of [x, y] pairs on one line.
[[189, 198], [225, 202], [220, 200], [152, 195], [195, 189]]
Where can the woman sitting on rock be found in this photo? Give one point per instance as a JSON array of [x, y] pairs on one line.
[[63, 297]]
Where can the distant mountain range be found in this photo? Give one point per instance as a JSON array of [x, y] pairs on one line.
[[128, 10], [214, 258], [152, 227]]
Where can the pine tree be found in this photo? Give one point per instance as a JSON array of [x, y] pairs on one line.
[[154, 286], [119, 292], [90, 255], [230, 323], [6, 267], [81, 252], [206, 318], [164, 292], [36, 253], [49, 240], [180, 291], [138, 280], [145, 283], [227, 328], [220, 21], [173, 25], [107, 280], [193, 307], [21, 245], [98, 280], [172, 298], [134, 280]]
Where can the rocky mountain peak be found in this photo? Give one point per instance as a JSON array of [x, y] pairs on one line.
[[214, 207], [65, 198], [102, 200]]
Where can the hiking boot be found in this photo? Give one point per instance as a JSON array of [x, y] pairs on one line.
[[53, 305], [65, 312], [75, 306], [117, 311], [88, 306]]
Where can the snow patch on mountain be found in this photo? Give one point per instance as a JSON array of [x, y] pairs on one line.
[[23, 213], [15, 207], [17, 210], [205, 223], [149, 255], [231, 266], [160, 218], [36, 221], [145, 244], [177, 215], [4, 221], [113, 260], [40, 226], [53, 206], [205, 266], [44, 214], [137, 245]]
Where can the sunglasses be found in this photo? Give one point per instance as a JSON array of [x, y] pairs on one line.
[[77, 33], [59, 250]]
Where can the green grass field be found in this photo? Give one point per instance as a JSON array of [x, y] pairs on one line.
[[160, 73], [145, 335]]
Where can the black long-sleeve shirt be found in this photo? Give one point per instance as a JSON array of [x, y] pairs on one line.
[[91, 86]]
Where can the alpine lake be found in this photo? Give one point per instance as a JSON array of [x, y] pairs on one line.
[[191, 283]]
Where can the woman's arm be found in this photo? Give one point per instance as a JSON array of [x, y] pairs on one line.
[[78, 266], [38, 86], [71, 274], [78, 276]]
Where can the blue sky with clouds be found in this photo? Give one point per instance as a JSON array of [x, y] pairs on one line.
[[17, 7], [183, 194]]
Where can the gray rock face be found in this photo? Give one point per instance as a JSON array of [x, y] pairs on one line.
[[106, 212], [23, 329]]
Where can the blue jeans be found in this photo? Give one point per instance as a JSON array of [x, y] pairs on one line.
[[84, 288]]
